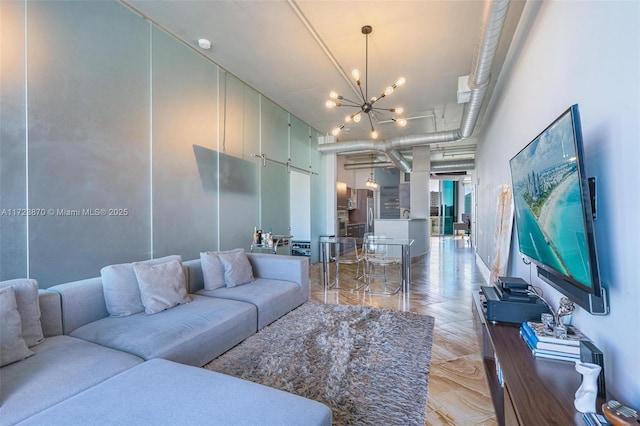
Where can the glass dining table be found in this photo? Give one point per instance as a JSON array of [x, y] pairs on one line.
[[401, 245]]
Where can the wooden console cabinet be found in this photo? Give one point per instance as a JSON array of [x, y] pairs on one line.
[[525, 390]]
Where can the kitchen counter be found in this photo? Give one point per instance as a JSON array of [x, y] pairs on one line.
[[416, 229]]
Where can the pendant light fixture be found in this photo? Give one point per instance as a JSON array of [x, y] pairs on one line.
[[371, 182], [365, 106]]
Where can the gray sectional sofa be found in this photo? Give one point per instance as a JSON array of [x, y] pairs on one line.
[[94, 367]]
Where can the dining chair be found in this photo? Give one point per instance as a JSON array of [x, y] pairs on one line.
[[375, 254], [347, 253]]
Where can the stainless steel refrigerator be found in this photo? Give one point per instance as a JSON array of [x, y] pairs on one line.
[[370, 215]]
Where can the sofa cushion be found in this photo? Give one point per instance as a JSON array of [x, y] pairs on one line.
[[12, 345], [272, 298], [120, 286], [26, 294], [237, 269], [212, 270], [161, 392], [194, 333], [162, 286], [61, 367]]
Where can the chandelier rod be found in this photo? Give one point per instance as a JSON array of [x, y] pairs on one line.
[[366, 30]]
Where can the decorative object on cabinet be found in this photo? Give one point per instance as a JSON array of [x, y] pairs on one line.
[[267, 242], [585, 396]]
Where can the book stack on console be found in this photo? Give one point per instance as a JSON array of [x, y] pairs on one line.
[[544, 344]]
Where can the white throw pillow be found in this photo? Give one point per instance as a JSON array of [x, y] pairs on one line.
[[12, 346], [237, 269], [26, 295], [162, 286], [120, 286]]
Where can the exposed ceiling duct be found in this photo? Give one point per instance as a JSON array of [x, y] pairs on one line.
[[436, 166], [370, 165], [492, 22], [452, 166]]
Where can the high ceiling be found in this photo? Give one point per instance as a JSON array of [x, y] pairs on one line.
[[296, 52]]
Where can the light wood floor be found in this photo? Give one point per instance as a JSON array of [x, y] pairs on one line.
[[441, 286]]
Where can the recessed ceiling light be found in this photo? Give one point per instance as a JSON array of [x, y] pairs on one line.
[[204, 44]]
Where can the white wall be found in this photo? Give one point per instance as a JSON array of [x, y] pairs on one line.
[[586, 53]]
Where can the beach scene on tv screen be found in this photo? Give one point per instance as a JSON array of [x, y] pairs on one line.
[[548, 204]]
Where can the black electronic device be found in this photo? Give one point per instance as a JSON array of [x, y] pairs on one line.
[[514, 289], [590, 353], [503, 308], [513, 283]]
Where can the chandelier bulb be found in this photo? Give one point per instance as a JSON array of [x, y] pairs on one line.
[[401, 81], [397, 110], [336, 131], [374, 133], [334, 95], [401, 122], [357, 118], [388, 91], [356, 75], [331, 104], [348, 118]]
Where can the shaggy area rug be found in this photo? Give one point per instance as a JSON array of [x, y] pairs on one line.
[[369, 365]]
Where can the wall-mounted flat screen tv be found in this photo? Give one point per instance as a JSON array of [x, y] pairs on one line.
[[553, 211]]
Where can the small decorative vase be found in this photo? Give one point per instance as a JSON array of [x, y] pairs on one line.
[[585, 397]]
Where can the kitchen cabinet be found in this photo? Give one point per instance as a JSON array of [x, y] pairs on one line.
[[342, 197], [360, 213], [389, 202], [356, 230], [404, 195], [352, 194]]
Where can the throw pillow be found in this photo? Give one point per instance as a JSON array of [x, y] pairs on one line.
[[162, 286], [120, 286], [26, 294], [12, 346], [212, 269], [237, 269]]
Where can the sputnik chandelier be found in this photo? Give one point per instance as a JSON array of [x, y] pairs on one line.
[[365, 104]]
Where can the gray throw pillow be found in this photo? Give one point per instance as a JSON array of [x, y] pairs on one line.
[[212, 269], [162, 286], [12, 346], [120, 286], [237, 269], [26, 294]]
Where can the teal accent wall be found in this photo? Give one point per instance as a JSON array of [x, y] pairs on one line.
[[448, 201]]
